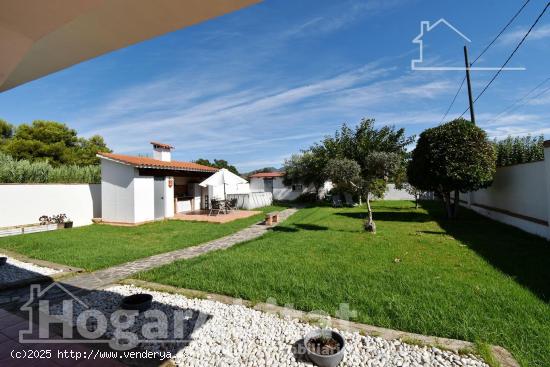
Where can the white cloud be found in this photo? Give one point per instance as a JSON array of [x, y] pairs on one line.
[[261, 121], [539, 33]]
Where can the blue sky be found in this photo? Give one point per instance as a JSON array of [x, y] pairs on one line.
[[257, 85]]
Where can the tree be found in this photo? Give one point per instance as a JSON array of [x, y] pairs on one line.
[[415, 192], [453, 157], [306, 168], [218, 163], [516, 150], [379, 154], [380, 168], [345, 174], [53, 142], [6, 130], [86, 150]]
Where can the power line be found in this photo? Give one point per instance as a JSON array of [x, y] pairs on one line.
[[453, 101], [481, 54], [517, 104], [509, 57], [502, 31]]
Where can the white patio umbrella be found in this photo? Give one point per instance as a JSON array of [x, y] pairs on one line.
[[223, 177]]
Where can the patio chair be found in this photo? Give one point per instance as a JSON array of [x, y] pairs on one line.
[[231, 204], [216, 206], [336, 201]]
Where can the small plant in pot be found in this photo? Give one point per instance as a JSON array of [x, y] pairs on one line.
[[45, 220], [59, 219], [68, 223], [324, 347]]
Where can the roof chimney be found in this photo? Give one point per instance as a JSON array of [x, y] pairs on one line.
[[162, 152]]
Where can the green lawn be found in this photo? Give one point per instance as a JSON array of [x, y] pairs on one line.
[[99, 246], [471, 279]]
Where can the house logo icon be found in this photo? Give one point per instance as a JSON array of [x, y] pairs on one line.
[[35, 298], [425, 29]]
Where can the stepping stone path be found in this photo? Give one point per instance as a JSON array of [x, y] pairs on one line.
[[113, 274]]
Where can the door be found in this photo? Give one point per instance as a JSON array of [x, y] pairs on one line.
[[159, 197], [268, 185]]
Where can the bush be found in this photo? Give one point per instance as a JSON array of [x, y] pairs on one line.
[[24, 171], [456, 156], [519, 150], [307, 197]]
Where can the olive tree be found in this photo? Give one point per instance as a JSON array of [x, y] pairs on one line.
[[415, 192], [369, 181], [453, 157]]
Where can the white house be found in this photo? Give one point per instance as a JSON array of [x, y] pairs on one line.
[[140, 189], [273, 182]]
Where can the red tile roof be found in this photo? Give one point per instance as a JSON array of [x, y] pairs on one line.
[[162, 145], [144, 162], [267, 174]]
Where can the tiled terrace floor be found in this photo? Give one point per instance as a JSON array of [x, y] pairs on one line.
[[202, 216], [11, 324]]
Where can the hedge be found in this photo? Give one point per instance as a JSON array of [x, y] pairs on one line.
[[24, 171]]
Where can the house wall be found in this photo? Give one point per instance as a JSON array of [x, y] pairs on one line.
[[24, 203], [168, 198], [117, 192], [143, 198], [285, 193], [256, 184]]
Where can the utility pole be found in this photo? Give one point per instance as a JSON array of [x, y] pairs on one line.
[[470, 98]]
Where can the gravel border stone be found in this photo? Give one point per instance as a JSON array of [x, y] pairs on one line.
[[219, 334], [15, 271]]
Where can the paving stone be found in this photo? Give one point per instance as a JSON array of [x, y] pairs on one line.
[[113, 274]]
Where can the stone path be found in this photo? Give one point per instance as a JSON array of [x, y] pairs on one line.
[[113, 274]]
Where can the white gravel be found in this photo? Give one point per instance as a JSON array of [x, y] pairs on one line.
[[15, 270], [234, 335]]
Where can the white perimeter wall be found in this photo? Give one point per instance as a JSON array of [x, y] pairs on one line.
[[519, 196], [252, 200], [397, 194], [25, 203]]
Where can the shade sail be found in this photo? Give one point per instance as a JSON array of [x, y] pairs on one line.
[[39, 37], [223, 177]]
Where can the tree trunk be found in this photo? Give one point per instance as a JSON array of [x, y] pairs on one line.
[[447, 201], [457, 204], [369, 225], [416, 201]]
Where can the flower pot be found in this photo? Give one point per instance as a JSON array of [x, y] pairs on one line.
[[324, 360], [68, 224], [60, 225], [3, 260], [137, 302]]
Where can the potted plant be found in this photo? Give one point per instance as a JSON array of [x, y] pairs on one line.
[[324, 347], [137, 302], [45, 220], [68, 223], [59, 219]]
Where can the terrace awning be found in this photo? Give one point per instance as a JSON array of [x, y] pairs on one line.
[[39, 37]]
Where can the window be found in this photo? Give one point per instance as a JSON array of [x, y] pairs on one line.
[[297, 187]]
